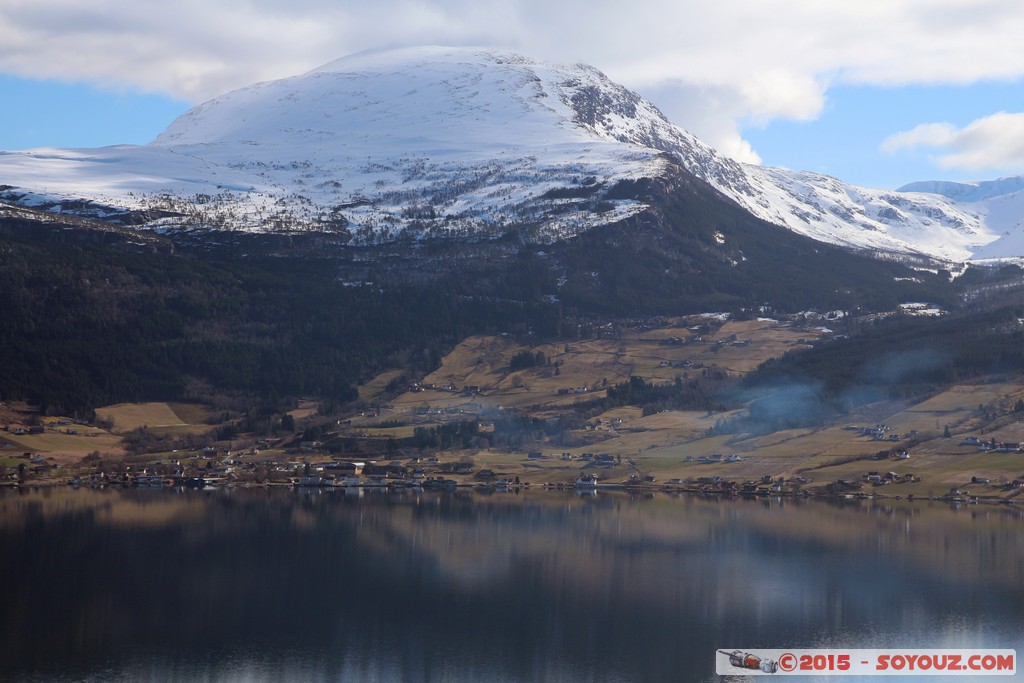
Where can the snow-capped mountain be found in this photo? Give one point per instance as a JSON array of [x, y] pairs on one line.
[[436, 142], [426, 141]]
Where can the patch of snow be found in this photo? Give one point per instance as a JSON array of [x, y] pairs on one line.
[[921, 309]]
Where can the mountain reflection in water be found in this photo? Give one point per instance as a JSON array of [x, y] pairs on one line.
[[261, 585]]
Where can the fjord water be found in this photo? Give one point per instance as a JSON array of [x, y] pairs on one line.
[[282, 585]]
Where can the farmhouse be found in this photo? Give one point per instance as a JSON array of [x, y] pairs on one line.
[[348, 467]]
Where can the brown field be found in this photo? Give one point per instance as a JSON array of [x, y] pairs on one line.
[[191, 413], [305, 409], [64, 448], [374, 389], [129, 416], [67, 444], [173, 419], [402, 432]]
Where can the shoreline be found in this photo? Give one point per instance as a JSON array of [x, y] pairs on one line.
[[488, 489]]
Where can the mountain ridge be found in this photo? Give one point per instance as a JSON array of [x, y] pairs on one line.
[[470, 143]]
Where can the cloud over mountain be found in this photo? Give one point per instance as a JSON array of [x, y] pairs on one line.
[[991, 143], [709, 66]]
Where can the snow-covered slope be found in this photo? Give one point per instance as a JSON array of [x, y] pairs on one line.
[[998, 205], [466, 142], [427, 141], [882, 221]]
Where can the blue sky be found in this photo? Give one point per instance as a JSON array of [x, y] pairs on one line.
[[48, 113], [877, 92], [846, 139]]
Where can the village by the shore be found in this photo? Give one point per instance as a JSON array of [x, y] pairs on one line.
[[962, 444]]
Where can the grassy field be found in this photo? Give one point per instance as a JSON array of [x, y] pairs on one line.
[[191, 413], [67, 444], [305, 409], [174, 419], [373, 390], [66, 448], [128, 416], [9, 462]]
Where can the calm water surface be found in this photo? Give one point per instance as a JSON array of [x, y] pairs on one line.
[[253, 585]]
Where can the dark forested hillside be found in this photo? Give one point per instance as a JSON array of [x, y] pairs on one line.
[[698, 251], [87, 325], [96, 314]]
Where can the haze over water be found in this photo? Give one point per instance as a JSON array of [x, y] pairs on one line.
[[253, 585]]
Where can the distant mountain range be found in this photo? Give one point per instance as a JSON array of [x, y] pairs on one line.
[[471, 144]]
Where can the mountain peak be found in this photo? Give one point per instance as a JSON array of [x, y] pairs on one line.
[[971, 191], [461, 97], [426, 141]]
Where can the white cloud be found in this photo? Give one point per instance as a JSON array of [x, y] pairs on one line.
[[709, 112], [709, 66], [924, 135], [988, 144]]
